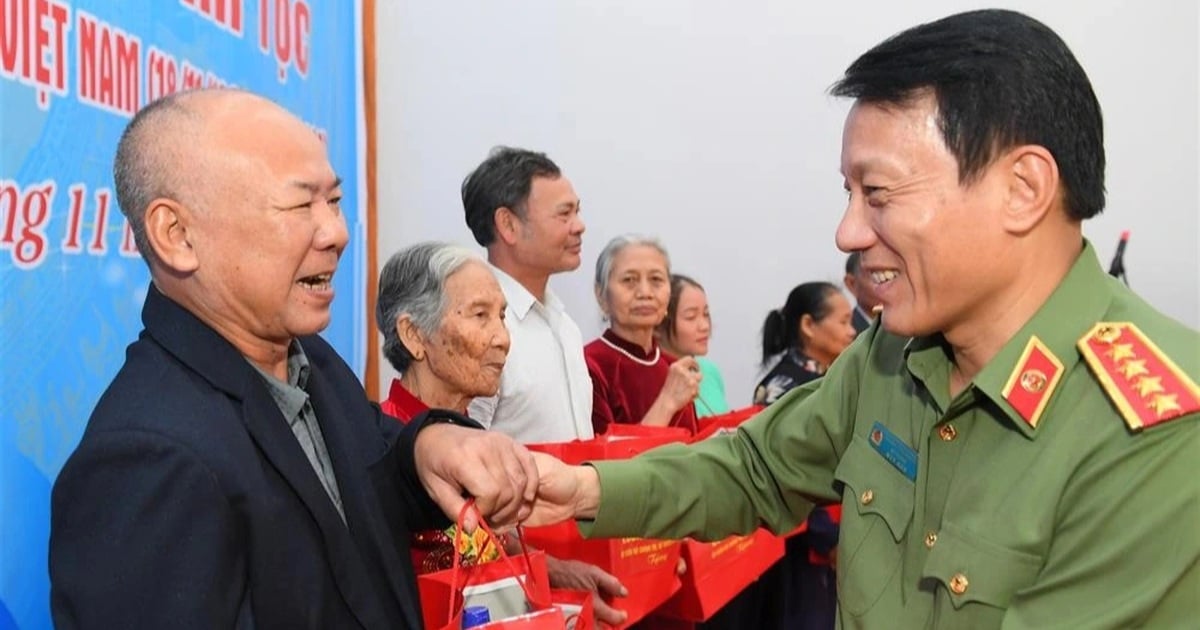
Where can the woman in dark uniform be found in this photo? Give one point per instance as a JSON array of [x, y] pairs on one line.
[[806, 335]]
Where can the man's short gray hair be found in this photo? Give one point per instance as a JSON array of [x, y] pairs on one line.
[[413, 283], [604, 262], [157, 158]]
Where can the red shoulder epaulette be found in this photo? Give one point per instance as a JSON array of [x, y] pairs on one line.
[[1145, 384], [1033, 381]]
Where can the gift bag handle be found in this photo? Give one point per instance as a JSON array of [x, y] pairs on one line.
[[492, 538]]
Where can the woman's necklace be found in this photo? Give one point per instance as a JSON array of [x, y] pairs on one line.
[[625, 352]]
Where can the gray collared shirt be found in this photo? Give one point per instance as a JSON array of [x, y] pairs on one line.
[[298, 411]]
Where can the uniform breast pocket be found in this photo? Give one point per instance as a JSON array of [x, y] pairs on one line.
[[877, 509], [967, 569]]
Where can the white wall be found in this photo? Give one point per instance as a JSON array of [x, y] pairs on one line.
[[707, 123]]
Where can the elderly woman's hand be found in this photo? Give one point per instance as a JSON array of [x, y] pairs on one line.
[[681, 388], [683, 383], [581, 576]]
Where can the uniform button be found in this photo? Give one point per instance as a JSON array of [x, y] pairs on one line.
[[958, 584], [930, 539], [947, 433], [867, 497]]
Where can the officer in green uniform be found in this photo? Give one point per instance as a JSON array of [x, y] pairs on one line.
[[1015, 441]]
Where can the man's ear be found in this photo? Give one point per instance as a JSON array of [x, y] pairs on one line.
[[411, 337], [167, 222], [1033, 187], [506, 224], [851, 283]]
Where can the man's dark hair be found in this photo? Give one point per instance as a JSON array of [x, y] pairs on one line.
[[1000, 79], [503, 180]]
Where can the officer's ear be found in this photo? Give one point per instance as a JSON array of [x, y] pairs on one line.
[[1032, 178]]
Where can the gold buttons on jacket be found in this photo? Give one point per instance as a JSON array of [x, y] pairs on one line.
[[947, 433], [867, 497], [959, 584], [930, 539]]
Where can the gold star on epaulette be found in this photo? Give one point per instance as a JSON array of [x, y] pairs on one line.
[[1121, 351], [1134, 367], [1163, 404], [1147, 385]]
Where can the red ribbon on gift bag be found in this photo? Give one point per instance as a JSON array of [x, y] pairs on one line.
[[534, 583]]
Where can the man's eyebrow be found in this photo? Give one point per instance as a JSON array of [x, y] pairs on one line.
[[315, 188]]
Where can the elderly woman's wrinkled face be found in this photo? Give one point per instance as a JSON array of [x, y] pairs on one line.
[[639, 287], [468, 349]]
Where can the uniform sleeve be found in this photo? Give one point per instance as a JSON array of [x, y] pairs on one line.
[[770, 472], [1126, 549], [142, 536]]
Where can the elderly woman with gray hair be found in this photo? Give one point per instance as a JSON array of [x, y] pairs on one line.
[[633, 380], [441, 313]]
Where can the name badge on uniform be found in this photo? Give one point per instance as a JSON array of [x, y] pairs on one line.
[[893, 449]]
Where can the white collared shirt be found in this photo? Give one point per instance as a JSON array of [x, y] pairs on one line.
[[545, 390]]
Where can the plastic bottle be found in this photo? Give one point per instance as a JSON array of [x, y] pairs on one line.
[[475, 616]]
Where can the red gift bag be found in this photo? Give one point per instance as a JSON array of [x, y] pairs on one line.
[[621, 441], [646, 567], [718, 571], [518, 597], [577, 608], [726, 422]]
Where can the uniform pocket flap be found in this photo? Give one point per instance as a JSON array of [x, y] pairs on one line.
[[973, 569], [876, 487]]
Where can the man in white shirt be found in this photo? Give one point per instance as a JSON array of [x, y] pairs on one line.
[[526, 213], [521, 208]]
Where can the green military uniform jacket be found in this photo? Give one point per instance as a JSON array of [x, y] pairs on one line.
[[1025, 501]]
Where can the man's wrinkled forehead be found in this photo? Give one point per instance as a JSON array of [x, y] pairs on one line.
[[874, 129]]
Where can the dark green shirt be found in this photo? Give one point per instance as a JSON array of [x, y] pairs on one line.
[[1075, 521]]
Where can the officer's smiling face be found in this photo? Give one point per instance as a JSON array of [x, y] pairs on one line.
[[932, 247]]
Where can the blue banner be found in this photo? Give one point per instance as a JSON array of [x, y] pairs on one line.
[[72, 74]]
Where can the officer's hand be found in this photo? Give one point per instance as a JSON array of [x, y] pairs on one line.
[[563, 492]]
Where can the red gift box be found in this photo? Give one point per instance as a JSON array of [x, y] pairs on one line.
[[718, 571]]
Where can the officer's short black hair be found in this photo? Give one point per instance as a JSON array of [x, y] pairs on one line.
[[1000, 79], [503, 180]]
